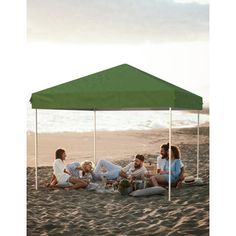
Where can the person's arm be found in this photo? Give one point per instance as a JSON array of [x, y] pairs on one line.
[[67, 172], [123, 174], [127, 167], [163, 172], [181, 175], [148, 174], [139, 172], [165, 168], [161, 163], [158, 165], [176, 170], [181, 163]]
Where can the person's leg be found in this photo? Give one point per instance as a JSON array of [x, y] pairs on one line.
[[153, 180], [157, 180], [96, 173], [96, 176], [107, 165], [98, 166], [52, 182], [180, 179], [161, 180], [113, 174], [179, 184], [77, 183]]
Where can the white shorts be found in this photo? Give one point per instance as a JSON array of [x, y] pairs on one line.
[[64, 181]]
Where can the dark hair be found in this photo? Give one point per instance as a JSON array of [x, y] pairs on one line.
[[176, 152], [165, 147], [59, 153], [140, 157]]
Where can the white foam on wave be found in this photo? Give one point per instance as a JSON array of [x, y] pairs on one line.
[[52, 121]]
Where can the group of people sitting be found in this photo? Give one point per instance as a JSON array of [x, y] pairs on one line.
[[78, 175]]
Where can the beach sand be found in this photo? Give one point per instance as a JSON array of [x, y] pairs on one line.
[[113, 145], [83, 212]]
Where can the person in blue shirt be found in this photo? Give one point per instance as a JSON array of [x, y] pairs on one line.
[[81, 170], [163, 177]]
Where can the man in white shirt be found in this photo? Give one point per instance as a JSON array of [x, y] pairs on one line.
[[163, 157], [135, 169]]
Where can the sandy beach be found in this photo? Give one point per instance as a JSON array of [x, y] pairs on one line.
[[82, 212]]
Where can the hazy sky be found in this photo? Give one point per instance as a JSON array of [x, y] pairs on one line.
[[119, 21], [68, 39]]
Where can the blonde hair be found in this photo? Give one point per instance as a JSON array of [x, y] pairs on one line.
[[86, 162]]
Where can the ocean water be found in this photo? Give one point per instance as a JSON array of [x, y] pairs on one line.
[[52, 121]]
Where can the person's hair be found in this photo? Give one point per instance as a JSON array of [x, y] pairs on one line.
[[140, 157], [176, 152], [59, 153], [88, 163], [165, 147]]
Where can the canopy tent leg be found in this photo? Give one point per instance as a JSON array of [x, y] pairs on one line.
[[94, 137], [198, 122], [36, 150], [170, 127]]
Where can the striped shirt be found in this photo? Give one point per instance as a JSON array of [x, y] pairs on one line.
[[130, 170]]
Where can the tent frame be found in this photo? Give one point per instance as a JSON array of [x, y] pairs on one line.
[[170, 154], [94, 142], [198, 143], [36, 149], [94, 136]]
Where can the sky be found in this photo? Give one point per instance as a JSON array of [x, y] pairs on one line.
[[112, 21], [69, 39]]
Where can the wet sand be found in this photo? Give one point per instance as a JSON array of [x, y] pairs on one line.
[[119, 145]]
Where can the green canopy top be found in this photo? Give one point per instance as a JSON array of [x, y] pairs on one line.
[[119, 88]]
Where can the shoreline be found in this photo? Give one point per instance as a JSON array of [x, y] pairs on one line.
[[110, 145], [29, 132]]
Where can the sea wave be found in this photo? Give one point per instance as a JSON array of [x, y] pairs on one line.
[[53, 121]]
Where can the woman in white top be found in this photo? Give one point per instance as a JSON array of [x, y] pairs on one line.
[[62, 176]]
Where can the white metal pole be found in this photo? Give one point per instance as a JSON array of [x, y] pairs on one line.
[[36, 150], [198, 121], [170, 127], [94, 138]]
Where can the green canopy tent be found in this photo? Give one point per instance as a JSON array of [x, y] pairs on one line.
[[123, 87]]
